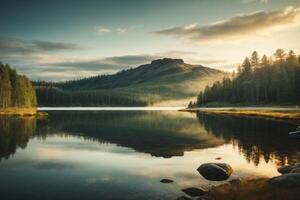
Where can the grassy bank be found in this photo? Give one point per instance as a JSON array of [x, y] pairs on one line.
[[21, 112], [257, 189], [276, 114]]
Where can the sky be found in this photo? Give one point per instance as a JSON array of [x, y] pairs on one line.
[[69, 39]]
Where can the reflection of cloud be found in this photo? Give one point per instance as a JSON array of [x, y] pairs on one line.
[[54, 165], [238, 27], [94, 180], [76, 143], [49, 153]]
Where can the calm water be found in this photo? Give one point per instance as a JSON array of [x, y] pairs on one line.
[[124, 154]]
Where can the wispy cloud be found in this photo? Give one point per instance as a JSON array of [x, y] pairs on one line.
[[17, 46], [118, 30], [260, 1], [238, 27], [102, 29], [40, 60]]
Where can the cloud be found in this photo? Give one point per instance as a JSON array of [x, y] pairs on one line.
[[102, 29], [37, 59], [15, 46], [118, 30], [251, 1], [238, 27]]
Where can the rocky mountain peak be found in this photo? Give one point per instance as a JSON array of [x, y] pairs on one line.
[[165, 61]]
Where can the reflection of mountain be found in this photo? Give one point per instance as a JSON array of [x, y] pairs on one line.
[[256, 138], [15, 132], [161, 134]]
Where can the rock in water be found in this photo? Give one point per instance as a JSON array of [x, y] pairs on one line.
[[183, 198], [215, 171], [235, 181], [165, 180], [194, 192], [288, 168], [296, 170], [288, 181]]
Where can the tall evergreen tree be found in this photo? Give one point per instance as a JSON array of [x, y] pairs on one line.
[[254, 60], [15, 90], [279, 55], [5, 87]]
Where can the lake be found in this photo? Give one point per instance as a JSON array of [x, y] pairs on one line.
[[123, 154]]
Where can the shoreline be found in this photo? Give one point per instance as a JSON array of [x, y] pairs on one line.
[[23, 112], [268, 112]]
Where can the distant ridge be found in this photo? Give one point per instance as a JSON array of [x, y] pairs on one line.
[[164, 81]]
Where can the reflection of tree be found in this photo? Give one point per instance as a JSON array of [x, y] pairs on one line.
[[156, 133], [255, 138], [15, 132]]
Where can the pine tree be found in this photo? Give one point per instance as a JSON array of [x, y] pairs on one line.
[[291, 58], [279, 55], [254, 60], [5, 87], [246, 67]]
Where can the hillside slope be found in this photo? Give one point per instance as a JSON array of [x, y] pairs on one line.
[[162, 82]]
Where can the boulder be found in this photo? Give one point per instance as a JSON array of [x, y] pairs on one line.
[[215, 171], [288, 168], [288, 181], [194, 192], [165, 180]]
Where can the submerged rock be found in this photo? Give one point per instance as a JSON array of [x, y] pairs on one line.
[[165, 180], [215, 171], [194, 192], [296, 170], [288, 168], [291, 180], [183, 198], [235, 181]]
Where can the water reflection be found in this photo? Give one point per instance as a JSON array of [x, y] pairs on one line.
[[255, 138], [161, 134], [15, 133], [89, 155]]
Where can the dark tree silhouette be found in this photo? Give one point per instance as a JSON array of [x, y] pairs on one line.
[[258, 81], [15, 90]]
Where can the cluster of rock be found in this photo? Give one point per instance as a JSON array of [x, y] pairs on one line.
[[290, 177], [210, 171]]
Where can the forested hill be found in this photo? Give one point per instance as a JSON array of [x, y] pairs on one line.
[[265, 80], [15, 90], [169, 81]]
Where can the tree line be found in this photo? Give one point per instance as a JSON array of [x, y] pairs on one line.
[[259, 80], [15, 90], [50, 95]]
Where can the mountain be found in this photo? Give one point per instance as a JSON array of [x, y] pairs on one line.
[[162, 82]]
